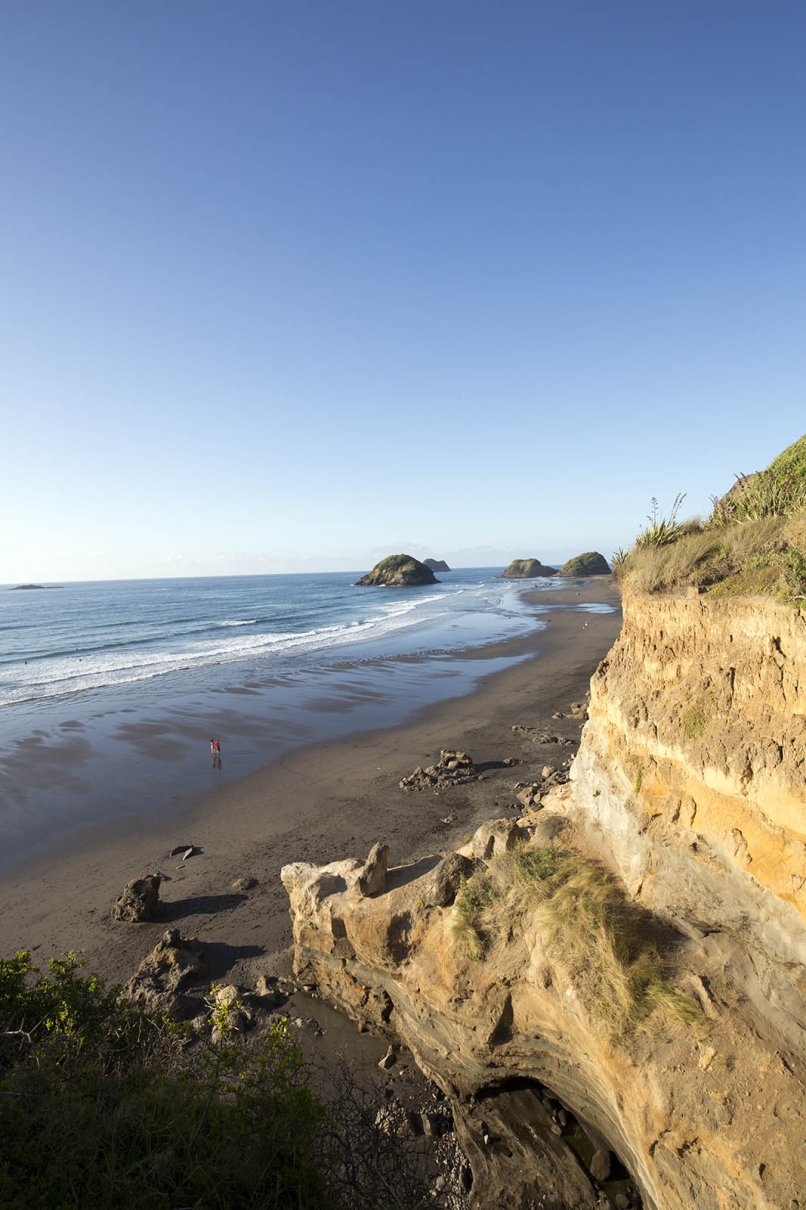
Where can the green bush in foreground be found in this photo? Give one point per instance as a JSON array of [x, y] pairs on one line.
[[101, 1106]]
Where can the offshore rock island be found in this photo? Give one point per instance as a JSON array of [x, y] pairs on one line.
[[401, 571], [526, 569], [591, 563]]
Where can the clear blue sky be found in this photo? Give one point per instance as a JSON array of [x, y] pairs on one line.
[[290, 285]]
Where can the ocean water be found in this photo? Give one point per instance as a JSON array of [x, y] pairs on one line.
[[61, 641], [110, 692]]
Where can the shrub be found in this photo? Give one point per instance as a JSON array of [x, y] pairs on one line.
[[778, 491], [661, 531], [102, 1106]]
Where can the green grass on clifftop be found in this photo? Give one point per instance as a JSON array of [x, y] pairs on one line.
[[753, 542]]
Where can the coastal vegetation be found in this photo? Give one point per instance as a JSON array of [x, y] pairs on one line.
[[612, 951], [753, 541], [105, 1105]]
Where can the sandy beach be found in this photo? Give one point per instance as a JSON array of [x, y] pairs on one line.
[[318, 804]]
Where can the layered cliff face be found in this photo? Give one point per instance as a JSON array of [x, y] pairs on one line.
[[612, 991], [691, 779]]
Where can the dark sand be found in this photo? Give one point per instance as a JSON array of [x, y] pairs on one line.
[[318, 804]]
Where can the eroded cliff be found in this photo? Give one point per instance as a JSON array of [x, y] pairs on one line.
[[691, 780], [613, 988]]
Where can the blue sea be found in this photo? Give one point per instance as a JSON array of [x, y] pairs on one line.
[[60, 641], [110, 692]]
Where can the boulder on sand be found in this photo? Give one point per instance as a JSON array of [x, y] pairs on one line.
[[139, 899], [161, 980]]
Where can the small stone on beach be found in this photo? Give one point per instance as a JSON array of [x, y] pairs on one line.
[[244, 884]]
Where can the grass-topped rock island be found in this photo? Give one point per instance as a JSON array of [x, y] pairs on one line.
[[398, 571]]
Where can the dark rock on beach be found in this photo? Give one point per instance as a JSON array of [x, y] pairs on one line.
[[161, 980], [139, 899], [398, 570], [452, 768]]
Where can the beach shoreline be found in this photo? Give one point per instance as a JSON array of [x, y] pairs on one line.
[[319, 803]]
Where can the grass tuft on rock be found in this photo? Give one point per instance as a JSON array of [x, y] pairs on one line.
[[613, 952]]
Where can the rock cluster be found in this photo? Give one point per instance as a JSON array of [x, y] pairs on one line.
[[451, 769], [539, 735]]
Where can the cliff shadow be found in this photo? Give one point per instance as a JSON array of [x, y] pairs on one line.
[[221, 957], [401, 875], [170, 910]]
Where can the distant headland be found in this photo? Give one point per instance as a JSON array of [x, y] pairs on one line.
[[28, 587]]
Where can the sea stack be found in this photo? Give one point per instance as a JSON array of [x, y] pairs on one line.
[[436, 564], [401, 571], [591, 563], [526, 569]]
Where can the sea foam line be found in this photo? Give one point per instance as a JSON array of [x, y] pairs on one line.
[[72, 675]]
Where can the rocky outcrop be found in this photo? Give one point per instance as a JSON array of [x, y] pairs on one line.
[[436, 564], [138, 900], [400, 571], [526, 569], [161, 983], [591, 563], [612, 989]]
